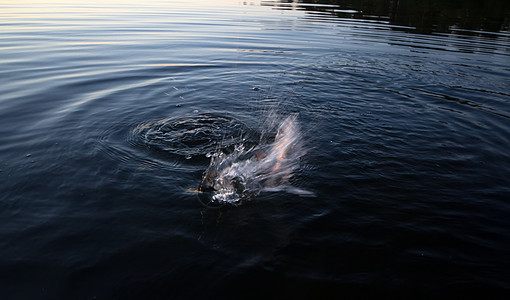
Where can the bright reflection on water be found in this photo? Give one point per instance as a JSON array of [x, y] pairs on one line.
[[116, 116]]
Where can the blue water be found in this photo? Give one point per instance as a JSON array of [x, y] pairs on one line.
[[105, 111]]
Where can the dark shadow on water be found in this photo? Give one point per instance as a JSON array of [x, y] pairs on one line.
[[469, 17]]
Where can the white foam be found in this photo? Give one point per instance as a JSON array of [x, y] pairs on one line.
[[265, 167]]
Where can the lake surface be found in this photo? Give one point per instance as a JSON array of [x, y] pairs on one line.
[[105, 128]]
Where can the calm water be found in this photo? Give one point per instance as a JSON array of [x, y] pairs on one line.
[[108, 110]]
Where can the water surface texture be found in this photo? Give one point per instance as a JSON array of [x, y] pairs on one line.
[[110, 113]]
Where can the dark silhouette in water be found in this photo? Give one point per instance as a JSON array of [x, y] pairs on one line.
[[421, 16]]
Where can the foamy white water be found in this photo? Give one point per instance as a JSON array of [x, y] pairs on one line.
[[246, 172]]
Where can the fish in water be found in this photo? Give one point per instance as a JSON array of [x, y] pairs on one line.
[[245, 173]]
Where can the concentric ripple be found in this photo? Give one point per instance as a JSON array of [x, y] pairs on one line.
[[193, 135]]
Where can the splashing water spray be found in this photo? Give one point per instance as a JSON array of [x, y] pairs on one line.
[[248, 171]]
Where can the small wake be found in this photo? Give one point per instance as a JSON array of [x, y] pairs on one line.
[[250, 170]]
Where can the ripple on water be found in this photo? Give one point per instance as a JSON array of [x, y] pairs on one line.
[[192, 135]]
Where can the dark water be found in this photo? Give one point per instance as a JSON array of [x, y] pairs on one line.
[[107, 111]]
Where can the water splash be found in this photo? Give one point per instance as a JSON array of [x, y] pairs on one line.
[[267, 166]]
